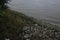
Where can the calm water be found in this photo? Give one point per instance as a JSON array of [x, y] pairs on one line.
[[41, 9]]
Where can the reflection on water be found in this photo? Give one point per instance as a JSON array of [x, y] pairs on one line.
[[40, 9]]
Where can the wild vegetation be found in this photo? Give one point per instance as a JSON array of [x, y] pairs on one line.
[[17, 26]]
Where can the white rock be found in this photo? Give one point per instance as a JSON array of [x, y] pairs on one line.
[[36, 24], [7, 39]]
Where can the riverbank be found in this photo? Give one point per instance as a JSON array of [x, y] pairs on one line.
[[17, 26]]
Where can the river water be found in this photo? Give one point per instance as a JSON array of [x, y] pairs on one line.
[[48, 10]]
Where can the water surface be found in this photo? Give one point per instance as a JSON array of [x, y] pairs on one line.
[[41, 9]]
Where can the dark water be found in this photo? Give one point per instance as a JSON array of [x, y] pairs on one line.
[[48, 10]]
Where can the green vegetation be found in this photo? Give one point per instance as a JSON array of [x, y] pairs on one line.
[[12, 25], [3, 4]]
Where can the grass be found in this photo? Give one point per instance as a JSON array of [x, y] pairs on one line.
[[12, 24]]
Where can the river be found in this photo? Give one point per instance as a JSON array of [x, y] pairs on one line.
[[48, 10]]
